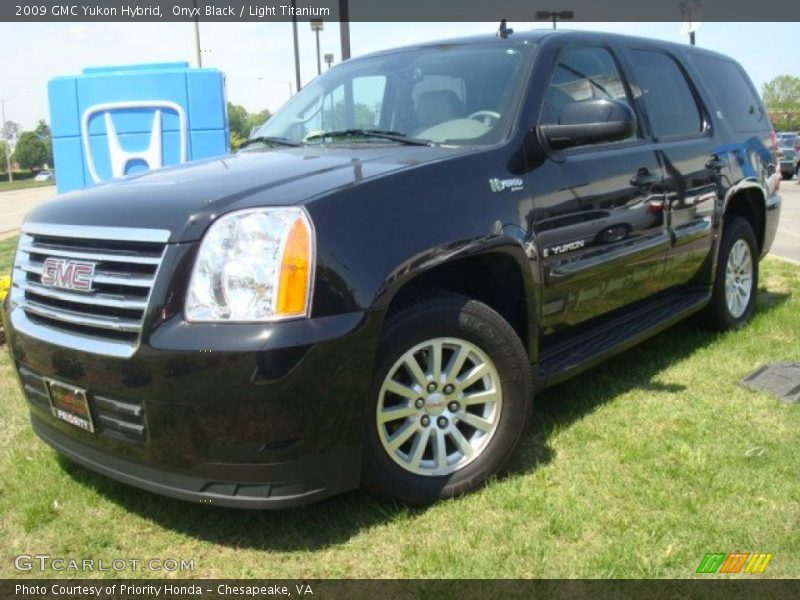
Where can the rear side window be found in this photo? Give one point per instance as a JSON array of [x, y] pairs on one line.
[[666, 95], [734, 95]]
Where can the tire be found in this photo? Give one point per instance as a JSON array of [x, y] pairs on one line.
[[417, 474], [724, 312]]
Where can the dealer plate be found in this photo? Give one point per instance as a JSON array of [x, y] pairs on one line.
[[70, 404]]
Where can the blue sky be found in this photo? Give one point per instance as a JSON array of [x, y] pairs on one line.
[[257, 57]]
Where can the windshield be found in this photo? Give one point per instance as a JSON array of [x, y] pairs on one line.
[[446, 94], [787, 139]]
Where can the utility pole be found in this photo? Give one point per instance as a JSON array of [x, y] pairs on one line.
[[344, 28], [197, 51], [298, 84]]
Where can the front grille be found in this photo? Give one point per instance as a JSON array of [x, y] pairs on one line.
[[121, 420], [126, 262]]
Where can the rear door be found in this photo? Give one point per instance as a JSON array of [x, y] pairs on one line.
[[690, 152], [597, 218]]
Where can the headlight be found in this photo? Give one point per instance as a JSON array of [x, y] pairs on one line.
[[253, 265]]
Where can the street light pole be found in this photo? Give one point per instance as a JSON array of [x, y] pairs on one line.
[[317, 26], [554, 15], [8, 146]]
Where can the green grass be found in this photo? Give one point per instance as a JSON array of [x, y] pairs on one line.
[[7, 248], [634, 469], [22, 179]]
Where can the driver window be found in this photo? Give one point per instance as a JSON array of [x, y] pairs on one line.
[[582, 74]]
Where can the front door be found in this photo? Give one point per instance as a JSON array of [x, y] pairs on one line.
[[598, 218]]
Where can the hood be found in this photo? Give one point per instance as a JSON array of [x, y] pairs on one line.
[[185, 199]]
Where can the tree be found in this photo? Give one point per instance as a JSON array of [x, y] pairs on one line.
[[237, 124], [43, 131], [3, 155], [31, 151], [782, 97], [241, 122], [9, 132], [258, 119]]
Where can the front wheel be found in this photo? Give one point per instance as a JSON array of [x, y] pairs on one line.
[[735, 286], [450, 400]]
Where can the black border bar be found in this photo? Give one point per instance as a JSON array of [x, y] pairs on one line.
[[398, 10], [700, 587]]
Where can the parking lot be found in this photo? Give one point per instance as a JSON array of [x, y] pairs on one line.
[[15, 203], [787, 242]]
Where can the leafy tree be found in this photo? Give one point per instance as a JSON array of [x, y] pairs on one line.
[[43, 131], [31, 151], [3, 150], [9, 132], [782, 97], [241, 122], [258, 119]]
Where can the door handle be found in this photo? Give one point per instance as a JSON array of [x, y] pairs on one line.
[[644, 179], [715, 163]]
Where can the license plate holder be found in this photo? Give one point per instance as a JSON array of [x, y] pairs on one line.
[[70, 404]]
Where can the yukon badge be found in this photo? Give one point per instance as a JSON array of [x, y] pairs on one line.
[[501, 185]]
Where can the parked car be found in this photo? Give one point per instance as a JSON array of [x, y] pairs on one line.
[[44, 176], [373, 291], [789, 144]]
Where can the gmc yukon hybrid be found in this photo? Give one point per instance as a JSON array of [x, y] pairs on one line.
[[372, 290]]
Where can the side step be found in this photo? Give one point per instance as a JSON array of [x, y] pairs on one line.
[[565, 359]]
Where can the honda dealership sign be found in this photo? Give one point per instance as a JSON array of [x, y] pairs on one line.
[[111, 122]]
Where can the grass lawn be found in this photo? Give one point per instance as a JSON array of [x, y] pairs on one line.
[[22, 179], [634, 469]]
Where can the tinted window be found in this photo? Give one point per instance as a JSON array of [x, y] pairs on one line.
[[450, 94], [733, 93], [666, 95], [581, 74]]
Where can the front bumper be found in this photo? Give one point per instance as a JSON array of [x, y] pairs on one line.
[[788, 166], [247, 416]]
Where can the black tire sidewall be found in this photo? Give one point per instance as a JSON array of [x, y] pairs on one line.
[[462, 318], [737, 228]]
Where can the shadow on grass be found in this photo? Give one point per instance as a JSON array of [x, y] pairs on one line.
[[337, 519]]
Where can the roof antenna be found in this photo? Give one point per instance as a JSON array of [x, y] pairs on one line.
[[504, 31]]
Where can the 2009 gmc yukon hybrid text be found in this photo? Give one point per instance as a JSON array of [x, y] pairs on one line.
[[372, 290]]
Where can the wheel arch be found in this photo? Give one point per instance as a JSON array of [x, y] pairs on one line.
[[497, 274], [747, 200]]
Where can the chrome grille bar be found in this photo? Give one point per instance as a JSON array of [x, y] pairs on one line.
[[108, 318]]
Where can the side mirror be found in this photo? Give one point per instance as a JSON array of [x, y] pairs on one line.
[[594, 121]]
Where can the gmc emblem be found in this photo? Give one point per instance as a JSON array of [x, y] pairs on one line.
[[68, 274]]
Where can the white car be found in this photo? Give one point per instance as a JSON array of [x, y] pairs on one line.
[[44, 176]]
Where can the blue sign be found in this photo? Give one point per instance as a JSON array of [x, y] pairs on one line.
[[110, 122]]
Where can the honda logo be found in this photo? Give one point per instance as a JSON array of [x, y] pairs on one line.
[[118, 157], [68, 274]]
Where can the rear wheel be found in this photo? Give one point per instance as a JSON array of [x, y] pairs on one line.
[[450, 400], [736, 282]]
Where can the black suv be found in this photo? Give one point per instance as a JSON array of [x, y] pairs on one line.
[[371, 292]]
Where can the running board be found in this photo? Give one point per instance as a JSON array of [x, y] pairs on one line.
[[579, 353]]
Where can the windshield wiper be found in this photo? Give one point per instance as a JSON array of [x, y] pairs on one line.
[[394, 136], [269, 141]]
